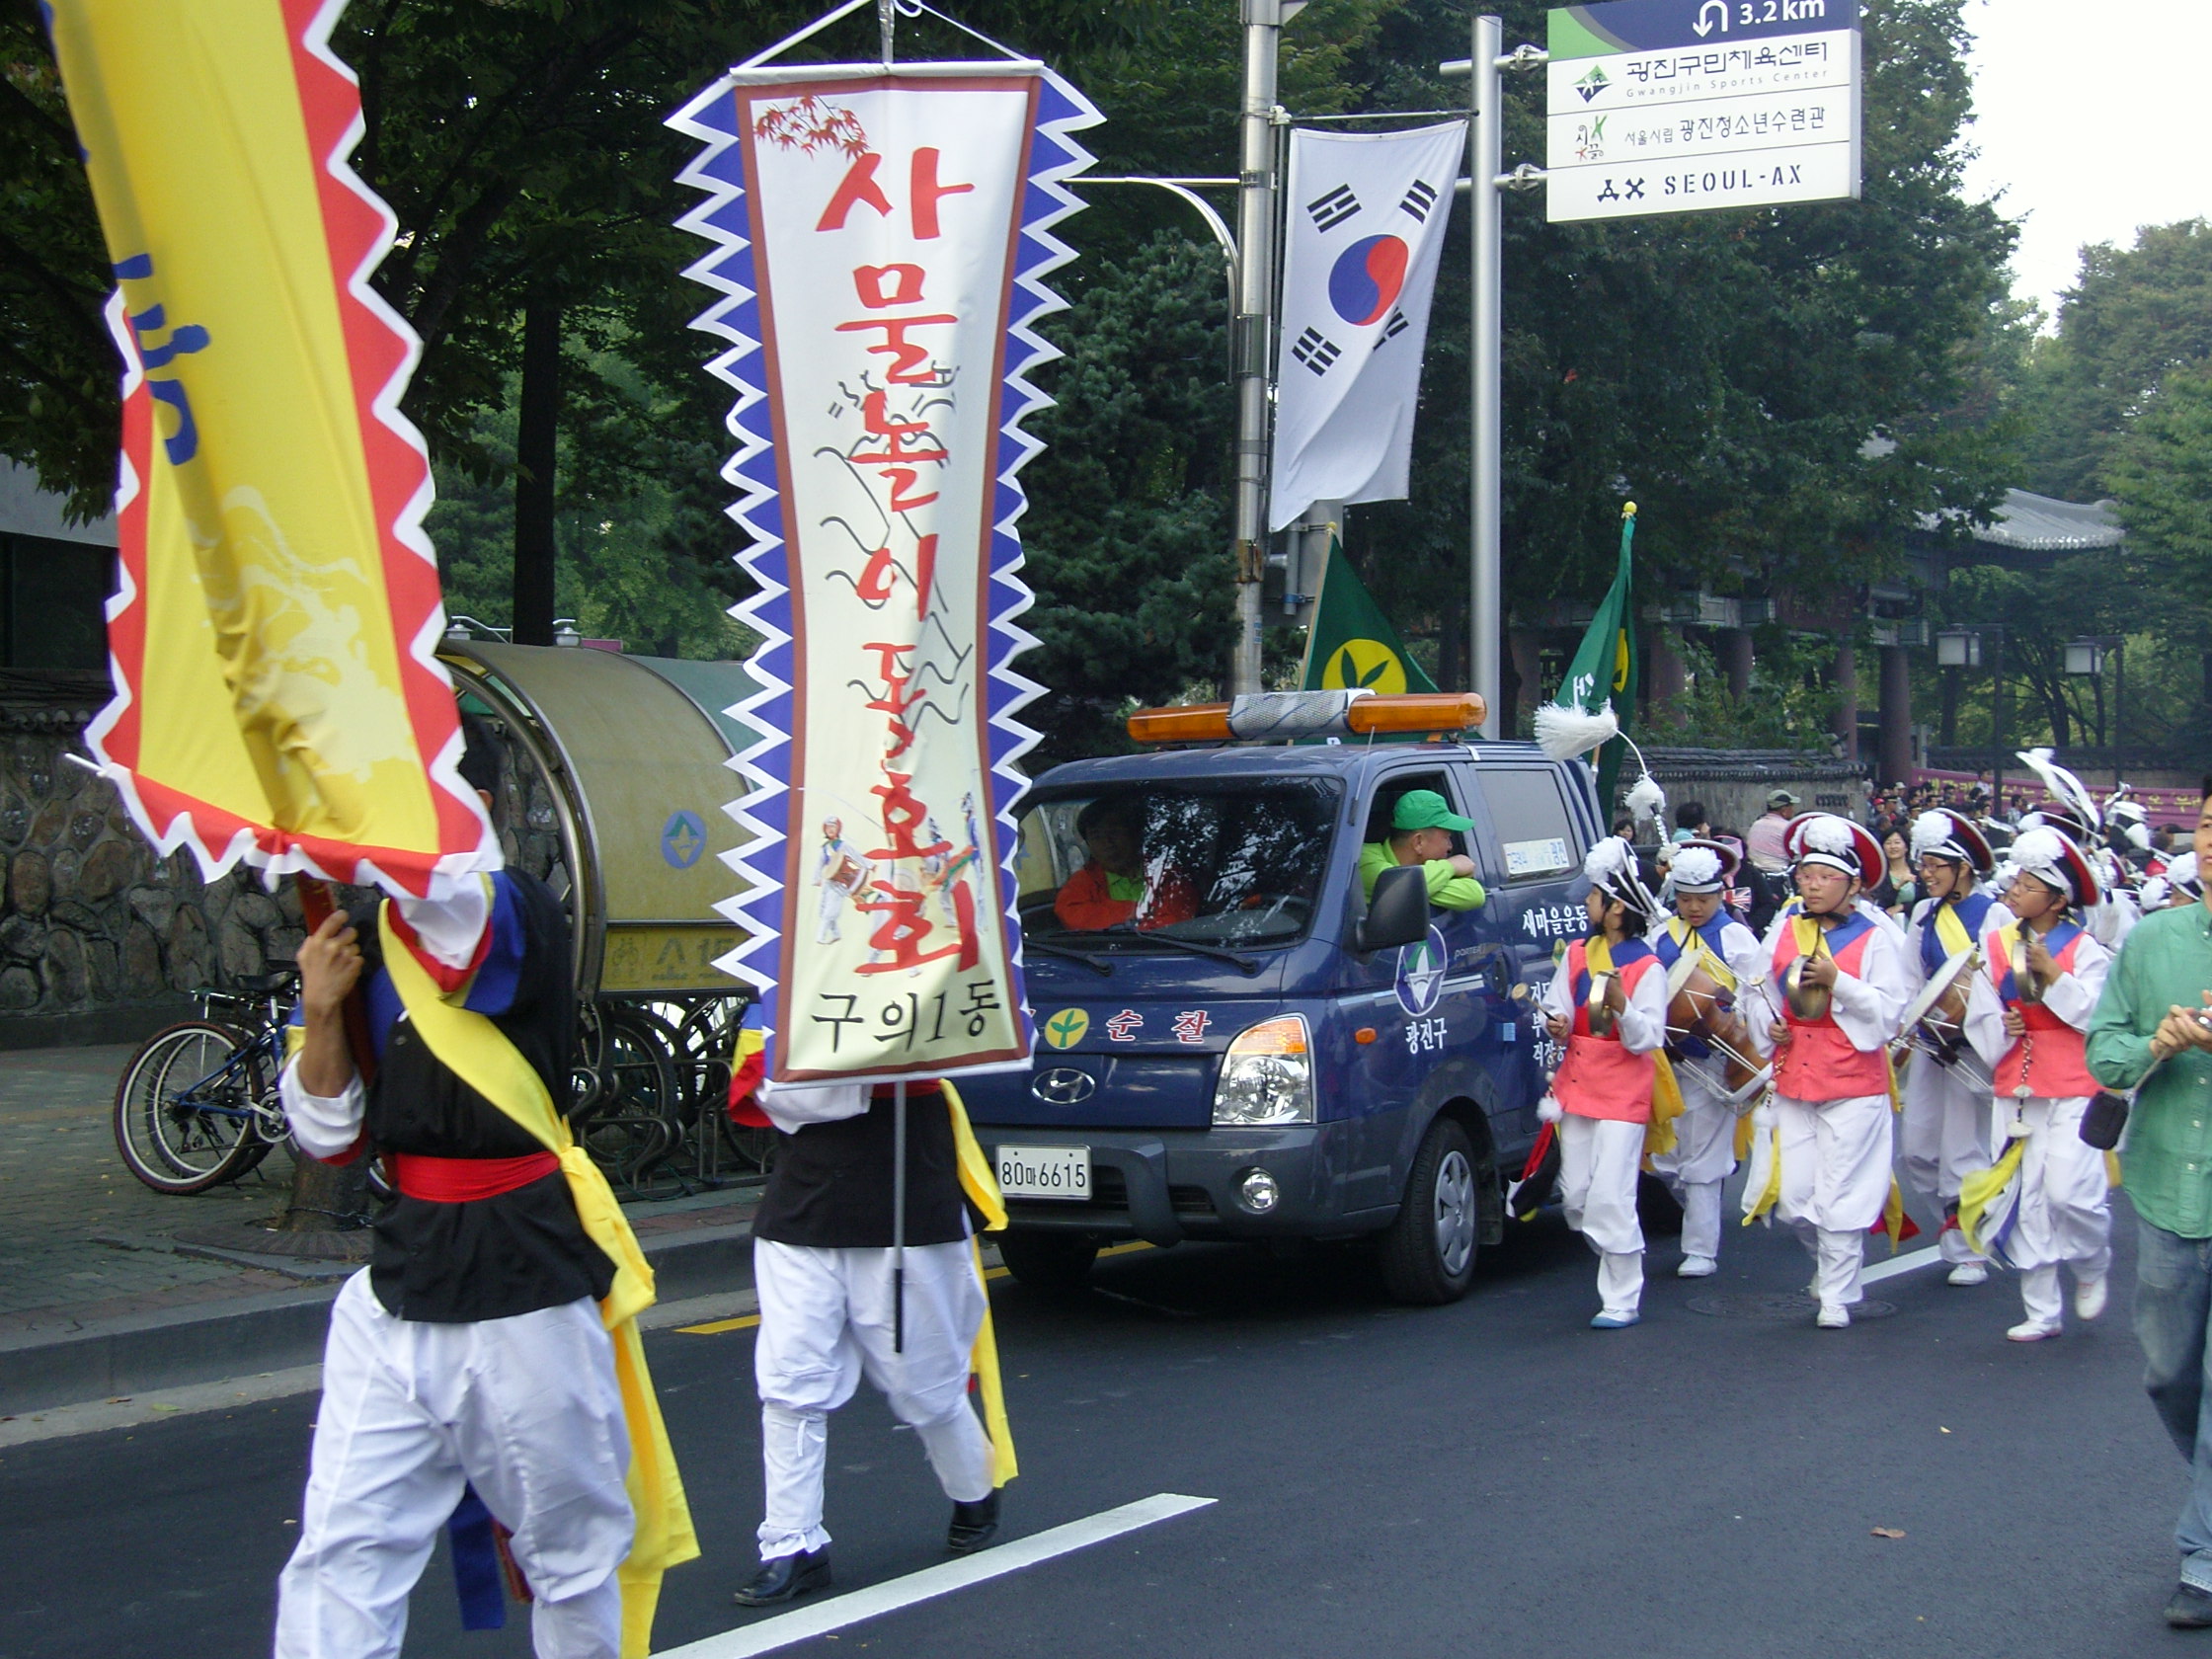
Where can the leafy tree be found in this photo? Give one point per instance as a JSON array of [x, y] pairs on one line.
[[1128, 517], [2134, 317]]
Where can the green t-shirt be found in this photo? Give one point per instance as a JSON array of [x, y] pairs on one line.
[[1447, 890], [2166, 1164]]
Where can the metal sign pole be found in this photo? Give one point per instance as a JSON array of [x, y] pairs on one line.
[[1255, 308], [1485, 139]]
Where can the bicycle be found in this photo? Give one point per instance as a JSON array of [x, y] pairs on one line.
[[197, 1103]]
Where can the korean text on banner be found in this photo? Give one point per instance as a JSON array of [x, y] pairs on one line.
[[272, 639], [1366, 229], [881, 241]]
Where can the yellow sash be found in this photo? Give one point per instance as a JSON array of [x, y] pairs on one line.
[[1951, 933], [1978, 1191], [1687, 937], [982, 1188], [480, 1054], [1665, 1093]]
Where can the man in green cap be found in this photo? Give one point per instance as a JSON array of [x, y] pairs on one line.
[[1421, 828]]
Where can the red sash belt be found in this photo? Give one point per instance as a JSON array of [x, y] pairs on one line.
[[443, 1180]]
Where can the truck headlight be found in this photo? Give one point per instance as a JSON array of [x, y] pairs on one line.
[[1267, 1075]]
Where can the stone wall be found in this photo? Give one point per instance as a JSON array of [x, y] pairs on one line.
[[100, 940]]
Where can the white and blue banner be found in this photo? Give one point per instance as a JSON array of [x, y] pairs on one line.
[[1365, 216], [880, 240]]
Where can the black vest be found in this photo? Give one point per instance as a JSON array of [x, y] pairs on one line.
[[493, 1257], [831, 1187]]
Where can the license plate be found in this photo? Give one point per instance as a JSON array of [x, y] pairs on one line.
[[1045, 1171]]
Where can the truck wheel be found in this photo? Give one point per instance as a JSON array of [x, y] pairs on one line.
[[1428, 1253], [1048, 1261]]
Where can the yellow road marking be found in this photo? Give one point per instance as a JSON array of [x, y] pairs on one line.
[[716, 1327]]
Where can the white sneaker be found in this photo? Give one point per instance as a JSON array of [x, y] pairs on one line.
[[1969, 1273], [1697, 1267], [1834, 1316], [2032, 1331], [2088, 1298]]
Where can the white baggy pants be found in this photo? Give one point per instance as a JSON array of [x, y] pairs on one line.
[[826, 1315], [2065, 1207], [1835, 1180], [1598, 1162], [1942, 1138], [1703, 1158], [525, 1409]]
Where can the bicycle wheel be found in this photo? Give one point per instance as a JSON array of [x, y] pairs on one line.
[[634, 1126], [184, 1116]]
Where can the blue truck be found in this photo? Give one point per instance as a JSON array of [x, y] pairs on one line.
[[1256, 1050]]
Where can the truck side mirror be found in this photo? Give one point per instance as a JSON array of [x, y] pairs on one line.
[[1398, 913]]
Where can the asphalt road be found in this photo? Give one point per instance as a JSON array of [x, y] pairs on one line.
[[1489, 1478]]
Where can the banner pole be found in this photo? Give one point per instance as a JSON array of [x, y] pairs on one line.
[[1486, 150], [898, 1216]]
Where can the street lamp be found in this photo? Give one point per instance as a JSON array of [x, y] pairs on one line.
[[1962, 648], [2085, 658]]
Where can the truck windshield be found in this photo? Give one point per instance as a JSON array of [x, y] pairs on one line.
[[1235, 864]]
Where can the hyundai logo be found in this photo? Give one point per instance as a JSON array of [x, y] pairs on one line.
[[1063, 1085]]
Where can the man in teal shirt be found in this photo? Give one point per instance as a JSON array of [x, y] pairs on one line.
[[2148, 1017], [1421, 828]]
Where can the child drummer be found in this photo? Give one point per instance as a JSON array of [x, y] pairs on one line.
[[1608, 1004], [2047, 972], [1838, 980], [1943, 1136], [1704, 1151]]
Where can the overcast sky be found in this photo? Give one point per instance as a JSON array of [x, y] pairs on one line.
[[2090, 120]]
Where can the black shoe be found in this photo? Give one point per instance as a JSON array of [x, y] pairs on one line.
[[786, 1579], [974, 1524], [2191, 1608]]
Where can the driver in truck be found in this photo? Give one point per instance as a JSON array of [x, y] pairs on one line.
[[1421, 827], [1114, 888]]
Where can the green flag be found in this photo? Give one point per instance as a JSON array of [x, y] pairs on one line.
[[1604, 668], [1352, 645]]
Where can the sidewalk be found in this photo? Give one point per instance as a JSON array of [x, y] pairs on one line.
[[96, 1293]]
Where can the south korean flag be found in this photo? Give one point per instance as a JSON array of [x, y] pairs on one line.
[[1366, 227]]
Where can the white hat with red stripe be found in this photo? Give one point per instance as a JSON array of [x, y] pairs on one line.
[[1837, 843], [2053, 859]]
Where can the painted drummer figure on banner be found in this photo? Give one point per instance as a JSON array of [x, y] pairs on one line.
[[1727, 954], [1836, 980], [841, 871], [1944, 1134], [2046, 1201]]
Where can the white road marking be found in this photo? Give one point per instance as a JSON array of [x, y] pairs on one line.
[[805, 1622], [1900, 1264]]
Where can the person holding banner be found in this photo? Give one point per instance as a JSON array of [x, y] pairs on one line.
[[836, 1301], [1607, 1004], [1703, 1155], [472, 1352], [1944, 1135], [1838, 979], [2048, 974]]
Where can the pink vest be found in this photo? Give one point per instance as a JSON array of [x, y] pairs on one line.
[[1599, 1077], [1821, 1063], [2050, 1057]]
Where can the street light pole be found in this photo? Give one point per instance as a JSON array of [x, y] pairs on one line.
[[1255, 305], [1485, 158], [2119, 696]]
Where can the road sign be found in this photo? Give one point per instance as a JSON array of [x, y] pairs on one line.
[[1691, 106]]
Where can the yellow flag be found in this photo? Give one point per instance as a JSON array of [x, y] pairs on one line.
[[278, 697]]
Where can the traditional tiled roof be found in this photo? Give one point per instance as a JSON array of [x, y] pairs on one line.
[[2032, 523]]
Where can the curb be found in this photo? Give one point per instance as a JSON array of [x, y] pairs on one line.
[[276, 1330]]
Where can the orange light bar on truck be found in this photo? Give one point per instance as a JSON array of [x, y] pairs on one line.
[[1189, 723], [1283, 715], [1416, 711]]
